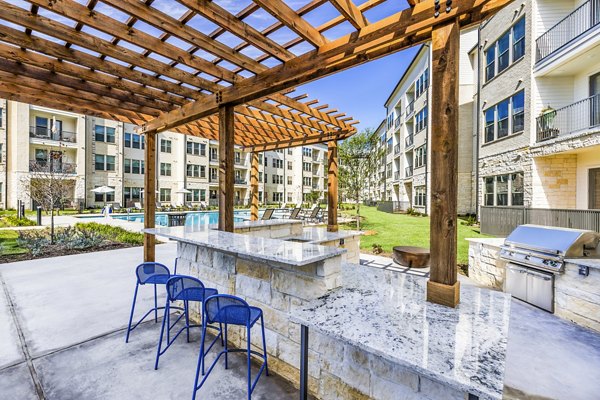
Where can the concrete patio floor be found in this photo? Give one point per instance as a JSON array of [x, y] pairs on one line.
[[68, 342]]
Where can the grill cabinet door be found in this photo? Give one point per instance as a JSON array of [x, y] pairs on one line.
[[516, 281], [540, 290]]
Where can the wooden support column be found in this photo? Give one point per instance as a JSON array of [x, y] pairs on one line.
[[226, 174], [254, 186], [332, 185], [150, 195], [443, 286]]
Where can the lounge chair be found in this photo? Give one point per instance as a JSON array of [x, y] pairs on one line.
[[267, 214], [314, 215], [138, 205], [295, 214]]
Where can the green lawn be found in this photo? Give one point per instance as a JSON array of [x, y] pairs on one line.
[[8, 243], [389, 230]]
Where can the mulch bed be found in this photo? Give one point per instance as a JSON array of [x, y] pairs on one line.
[[53, 252]]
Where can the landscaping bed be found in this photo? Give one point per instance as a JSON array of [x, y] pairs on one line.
[[81, 238]]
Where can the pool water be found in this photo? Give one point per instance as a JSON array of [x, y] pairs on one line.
[[192, 218]]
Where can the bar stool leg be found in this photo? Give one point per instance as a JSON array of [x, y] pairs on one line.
[[226, 349], [162, 331], [264, 341], [155, 305], [249, 365], [187, 319], [132, 310]]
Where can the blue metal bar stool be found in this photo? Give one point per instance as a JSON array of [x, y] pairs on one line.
[[230, 310], [148, 273], [185, 289]]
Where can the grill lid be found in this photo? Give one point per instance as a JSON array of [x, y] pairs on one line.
[[563, 242]]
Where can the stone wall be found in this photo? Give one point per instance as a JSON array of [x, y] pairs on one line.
[[272, 231], [554, 181], [484, 265], [577, 297]]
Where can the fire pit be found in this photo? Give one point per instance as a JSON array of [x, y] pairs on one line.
[[411, 256]]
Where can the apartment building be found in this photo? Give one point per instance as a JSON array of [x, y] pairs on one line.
[[94, 152], [539, 106], [406, 132]]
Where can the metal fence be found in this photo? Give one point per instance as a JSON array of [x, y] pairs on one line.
[[578, 22], [393, 206], [500, 221], [579, 116]]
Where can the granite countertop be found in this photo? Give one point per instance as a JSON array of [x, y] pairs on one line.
[[261, 223], [251, 247], [385, 313], [319, 235], [586, 262], [491, 241]]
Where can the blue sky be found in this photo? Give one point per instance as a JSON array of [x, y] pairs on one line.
[[362, 91]]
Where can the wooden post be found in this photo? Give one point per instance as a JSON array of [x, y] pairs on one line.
[[443, 286], [254, 187], [226, 174], [150, 195], [332, 185]]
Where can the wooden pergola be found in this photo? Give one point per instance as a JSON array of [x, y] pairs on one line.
[[130, 61]]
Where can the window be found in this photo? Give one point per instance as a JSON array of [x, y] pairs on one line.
[[510, 47], [237, 157], [307, 152], [41, 126], [104, 163], [165, 146], [266, 161], [421, 119], [104, 134], [289, 180], [260, 177], [133, 166], [307, 181], [504, 190], [165, 169], [277, 179], [277, 196], [420, 196], [193, 170], [306, 167], [289, 151], [197, 149], [202, 171], [131, 195], [165, 194], [289, 195], [277, 163], [127, 166], [422, 83], [390, 145], [266, 178], [260, 158], [505, 118], [420, 156], [289, 163], [1, 146], [127, 139], [214, 155], [388, 170], [193, 196]]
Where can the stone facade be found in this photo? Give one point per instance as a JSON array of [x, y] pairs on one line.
[[484, 265], [554, 181]]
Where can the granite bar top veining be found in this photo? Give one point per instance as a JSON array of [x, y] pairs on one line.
[[262, 223], [249, 246], [385, 313], [586, 262]]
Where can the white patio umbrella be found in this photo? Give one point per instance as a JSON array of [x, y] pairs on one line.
[[183, 191], [103, 190]]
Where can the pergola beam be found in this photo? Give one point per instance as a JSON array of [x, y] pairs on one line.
[[349, 10], [397, 32]]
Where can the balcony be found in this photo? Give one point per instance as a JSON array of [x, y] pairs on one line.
[[239, 163], [410, 108], [214, 158], [54, 167], [397, 122], [240, 181], [42, 132], [408, 171], [213, 179], [397, 175], [397, 149], [409, 141], [576, 24], [577, 117]]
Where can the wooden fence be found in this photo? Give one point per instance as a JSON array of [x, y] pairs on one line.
[[500, 221]]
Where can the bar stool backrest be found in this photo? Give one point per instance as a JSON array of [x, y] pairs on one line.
[[147, 270], [227, 309], [184, 288]]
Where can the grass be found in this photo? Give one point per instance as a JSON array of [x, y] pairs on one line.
[[8, 243], [112, 233], [389, 230]]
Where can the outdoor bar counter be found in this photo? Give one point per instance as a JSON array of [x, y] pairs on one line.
[[371, 334]]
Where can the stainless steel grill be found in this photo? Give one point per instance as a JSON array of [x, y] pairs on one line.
[[536, 254]]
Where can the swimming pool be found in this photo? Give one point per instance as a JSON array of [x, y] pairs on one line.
[[192, 218]]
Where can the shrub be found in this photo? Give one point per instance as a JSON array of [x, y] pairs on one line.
[[35, 241], [11, 220], [414, 213], [470, 221], [377, 249], [111, 233]]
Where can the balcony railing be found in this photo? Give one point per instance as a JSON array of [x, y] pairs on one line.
[[409, 141], [408, 171], [213, 179], [579, 116], [239, 181], [397, 149], [214, 158], [240, 163], [397, 122], [578, 22], [52, 167], [42, 132], [410, 108], [397, 175]]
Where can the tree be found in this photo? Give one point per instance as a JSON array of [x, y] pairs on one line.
[[359, 159], [50, 184]]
